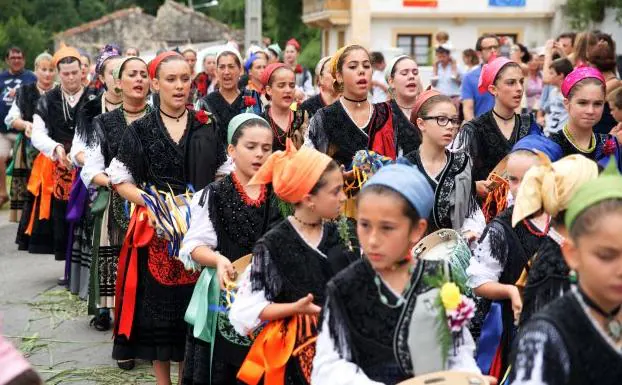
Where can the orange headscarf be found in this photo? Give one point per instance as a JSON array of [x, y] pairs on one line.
[[63, 52], [293, 173]]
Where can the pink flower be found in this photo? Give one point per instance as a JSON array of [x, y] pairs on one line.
[[610, 147], [459, 318]]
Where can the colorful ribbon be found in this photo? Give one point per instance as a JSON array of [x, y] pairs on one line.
[[41, 185]]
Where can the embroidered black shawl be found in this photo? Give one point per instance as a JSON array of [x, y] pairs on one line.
[[26, 98]]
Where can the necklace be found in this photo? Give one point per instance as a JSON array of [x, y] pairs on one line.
[[133, 113], [503, 118], [111, 103], [614, 326], [404, 108], [535, 231], [43, 90], [70, 97], [358, 102], [400, 300], [316, 224], [176, 118], [276, 128], [572, 141]]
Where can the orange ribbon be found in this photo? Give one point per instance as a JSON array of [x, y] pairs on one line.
[[273, 348], [41, 185], [139, 234]]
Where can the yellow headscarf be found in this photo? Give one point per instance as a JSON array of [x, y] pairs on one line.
[[550, 186], [335, 59]]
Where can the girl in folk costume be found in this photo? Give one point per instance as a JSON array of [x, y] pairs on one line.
[[284, 286], [254, 67], [498, 261], [54, 124], [228, 101], [584, 97], [78, 212], [546, 190], [304, 81], [402, 75], [577, 339], [372, 331], [327, 94], [352, 124], [228, 217], [19, 118], [490, 137], [170, 149], [449, 174], [110, 221], [283, 114]]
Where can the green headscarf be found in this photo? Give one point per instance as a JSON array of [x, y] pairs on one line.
[[608, 185], [116, 72], [239, 120]]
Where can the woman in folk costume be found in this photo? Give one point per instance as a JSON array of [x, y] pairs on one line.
[[78, 212], [449, 174], [286, 119], [54, 124], [304, 81], [402, 75], [499, 258], [353, 123], [20, 117], [170, 149], [110, 219], [228, 217], [577, 339], [547, 189], [372, 332], [284, 285], [254, 67], [327, 94], [584, 97], [490, 137]]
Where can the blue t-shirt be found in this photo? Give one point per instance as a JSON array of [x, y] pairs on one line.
[[8, 84], [483, 102]]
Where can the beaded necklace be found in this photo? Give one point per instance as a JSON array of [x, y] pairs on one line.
[[572, 141]]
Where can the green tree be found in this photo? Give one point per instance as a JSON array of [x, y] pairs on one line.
[[30, 38], [583, 13]]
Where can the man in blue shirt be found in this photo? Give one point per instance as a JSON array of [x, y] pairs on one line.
[[10, 81], [473, 103]]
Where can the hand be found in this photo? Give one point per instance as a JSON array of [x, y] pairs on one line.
[[299, 96], [482, 187], [550, 44], [617, 132], [28, 129], [12, 92], [517, 302], [305, 305], [491, 380], [61, 156], [470, 236], [226, 272]]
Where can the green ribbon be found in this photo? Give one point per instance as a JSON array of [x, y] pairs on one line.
[[18, 142], [199, 314], [97, 210]]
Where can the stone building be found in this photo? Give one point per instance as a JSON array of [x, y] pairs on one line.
[[174, 25]]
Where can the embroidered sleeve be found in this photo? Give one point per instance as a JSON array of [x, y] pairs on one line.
[[94, 164], [475, 222], [200, 233], [119, 173], [13, 114], [41, 138], [248, 305], [315, 137], [540, 356], [486, 263]]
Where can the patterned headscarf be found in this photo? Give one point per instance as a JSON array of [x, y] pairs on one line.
[[109, 51]]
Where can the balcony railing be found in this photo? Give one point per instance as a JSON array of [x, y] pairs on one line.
[[324, 13], [317, 6]]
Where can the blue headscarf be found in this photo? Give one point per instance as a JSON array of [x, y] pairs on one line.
[[407, 181], [249, 62], [536, 142]]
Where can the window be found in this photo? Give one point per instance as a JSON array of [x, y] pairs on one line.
[[417, 46]]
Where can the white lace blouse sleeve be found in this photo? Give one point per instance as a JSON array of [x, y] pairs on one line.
[[329, 367], [248, 305], [41, 138], [119, 173], [77, 146], [94, 164], [461, 359], [475, 222], [13, 114], [483, 267], [200, 233], [226, 168]]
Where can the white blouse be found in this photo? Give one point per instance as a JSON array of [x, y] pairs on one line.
[[41, 138], [94, 164], [200, 233], [13, 114]]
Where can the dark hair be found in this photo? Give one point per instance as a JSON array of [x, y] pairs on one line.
[[615, 97], [122, 68], [394, 69], [167, 60], [102, 70], [584, 41], [135, 49], [504, 69], [582, 83], [602, 57], [255, 122], [562, 66], [375, 57], [27, 377], [332, 166], [427, 106], [444, 50], [471, 55], [67, 60], [229, 53], [338, 87], [478, 44], [567, 35], [525, 55], [407, 209], [271, 79], [606, 38], [587, 220], [13, 49], [189, 50]]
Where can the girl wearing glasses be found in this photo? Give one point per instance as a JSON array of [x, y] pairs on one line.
[[449, 174]]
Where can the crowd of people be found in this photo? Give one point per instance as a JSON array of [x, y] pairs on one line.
[[257, 221]]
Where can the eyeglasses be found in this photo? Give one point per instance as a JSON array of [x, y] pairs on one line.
[[443, 121], [491, 47], [16, 58]]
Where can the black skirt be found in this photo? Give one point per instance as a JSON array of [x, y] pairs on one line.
[[41, 240]]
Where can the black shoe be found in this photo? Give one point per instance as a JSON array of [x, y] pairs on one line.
[[62, 281], [101, 322], [126, 364]]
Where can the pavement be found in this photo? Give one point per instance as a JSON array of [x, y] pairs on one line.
[[49, 325]]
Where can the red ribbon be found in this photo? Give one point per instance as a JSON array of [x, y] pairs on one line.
[[139, 234]]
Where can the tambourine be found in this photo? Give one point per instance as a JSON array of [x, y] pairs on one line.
[[496, 200], [447, 378]]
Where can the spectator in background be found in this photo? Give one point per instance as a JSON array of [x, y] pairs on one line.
[[85, 66], [565, 43], [132, 51], [473, 103], [10, 80], [602, 56], [274, 53], [205, 81], [446, 77], [304, 80], [552, 114], [582, 45], [533, 88], [191, 58], [470, 59], [614, 100], [379, 84]]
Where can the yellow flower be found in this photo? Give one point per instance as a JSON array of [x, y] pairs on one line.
[[450, 295], [293, 106]]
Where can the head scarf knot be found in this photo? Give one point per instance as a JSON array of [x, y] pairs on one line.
[[293, 173], [550, 186], [490, 72], [579, 74], [268, 71]]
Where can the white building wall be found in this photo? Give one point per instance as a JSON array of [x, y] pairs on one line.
[[466, 6]]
